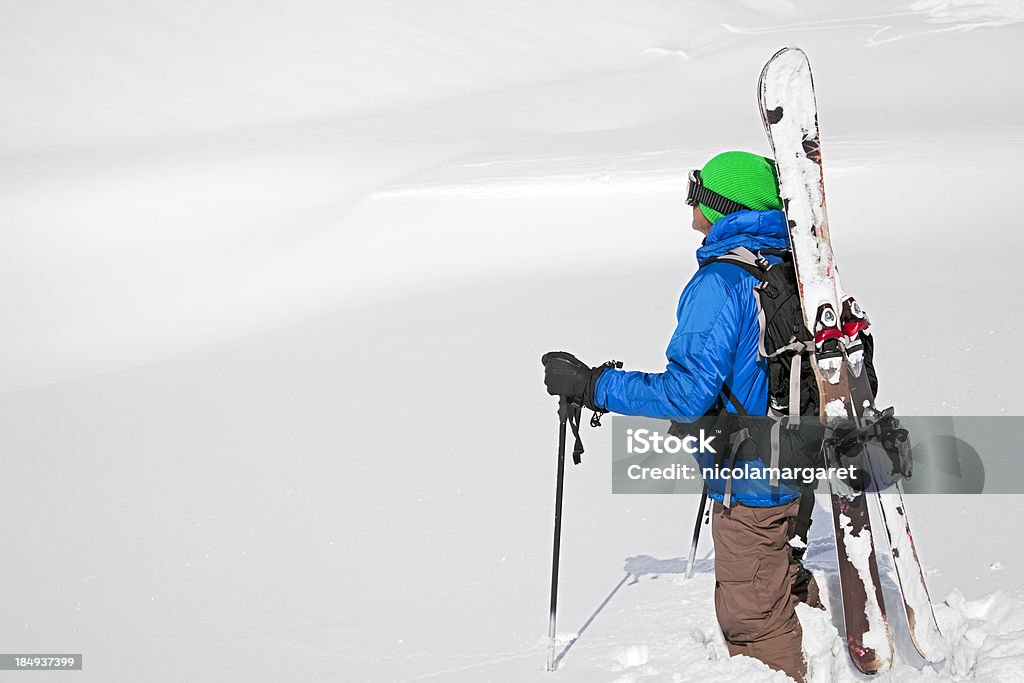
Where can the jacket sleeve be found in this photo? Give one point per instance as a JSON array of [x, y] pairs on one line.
[[701, 354]]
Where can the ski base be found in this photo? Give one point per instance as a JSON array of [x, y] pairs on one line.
[[867, 629]]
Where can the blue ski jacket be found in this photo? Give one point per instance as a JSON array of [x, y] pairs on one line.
[[715, 342]]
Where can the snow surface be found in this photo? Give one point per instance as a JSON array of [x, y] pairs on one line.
[[277, 280]]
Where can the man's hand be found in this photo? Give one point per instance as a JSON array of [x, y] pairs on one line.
[[566, 375]]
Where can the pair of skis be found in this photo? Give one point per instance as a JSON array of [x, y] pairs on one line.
[[789, 112]]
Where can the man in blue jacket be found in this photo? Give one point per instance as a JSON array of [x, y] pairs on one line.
[[713, 363]]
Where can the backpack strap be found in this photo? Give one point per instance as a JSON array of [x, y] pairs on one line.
[[794, 387], [755, 264], [775, 443], [731, 398], [736, 441], [803, 515]]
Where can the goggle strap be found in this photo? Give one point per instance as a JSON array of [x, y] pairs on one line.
[[715, 201]]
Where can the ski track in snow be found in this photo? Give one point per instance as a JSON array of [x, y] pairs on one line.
[[953, 16]]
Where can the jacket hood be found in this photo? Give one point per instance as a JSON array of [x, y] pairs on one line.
[[751, 229]]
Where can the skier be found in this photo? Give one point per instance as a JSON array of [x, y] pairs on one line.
[[713, 365]]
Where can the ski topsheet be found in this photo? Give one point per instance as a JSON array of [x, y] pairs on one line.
[[924, 630], [789, 113]]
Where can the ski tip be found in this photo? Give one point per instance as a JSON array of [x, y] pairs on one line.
[[790, 57], [790, 54], [782, 53], [786, 49], [764, 73]]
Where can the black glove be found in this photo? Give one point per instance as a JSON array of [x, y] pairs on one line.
[[566, 375]]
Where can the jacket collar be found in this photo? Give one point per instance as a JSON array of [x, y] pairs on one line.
[[751, 229]]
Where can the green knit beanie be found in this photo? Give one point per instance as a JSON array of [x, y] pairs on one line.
[[743, 177]]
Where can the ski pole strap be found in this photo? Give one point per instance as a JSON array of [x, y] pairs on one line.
[[574, 424], [575, 408], [696, 194]]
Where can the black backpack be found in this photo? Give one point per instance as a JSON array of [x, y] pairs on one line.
[[784, 338]]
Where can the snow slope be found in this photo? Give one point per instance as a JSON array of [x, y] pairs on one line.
[[278, 279]]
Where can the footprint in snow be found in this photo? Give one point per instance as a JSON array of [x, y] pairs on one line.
[[633, 655]]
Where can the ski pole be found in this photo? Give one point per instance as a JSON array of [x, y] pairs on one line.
[[696, 532], [563, 416]]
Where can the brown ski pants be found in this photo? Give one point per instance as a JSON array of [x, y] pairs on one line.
[[754, 577]]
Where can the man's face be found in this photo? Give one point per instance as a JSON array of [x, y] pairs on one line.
[[700, 223]]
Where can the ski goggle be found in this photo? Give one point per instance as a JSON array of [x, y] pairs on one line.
[[696, 194], [692, 185]]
